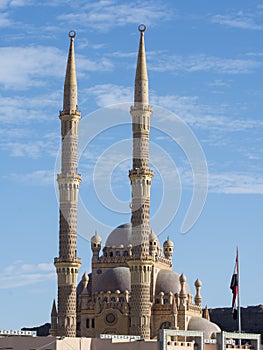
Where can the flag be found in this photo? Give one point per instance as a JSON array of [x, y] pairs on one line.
[[234, 288]]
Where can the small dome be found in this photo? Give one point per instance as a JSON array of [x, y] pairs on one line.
[[153, 236], [168, 281], [182, 278], [168, 242], [96, 238], [201, 324], [198, 283], [117, 278], [121, 235]]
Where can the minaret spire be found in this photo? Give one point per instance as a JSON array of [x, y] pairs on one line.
[[70, 102], [141, 261], [67, 264], [141, 78], [54, 317]]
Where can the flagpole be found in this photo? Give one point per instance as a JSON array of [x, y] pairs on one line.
[[238, 297]]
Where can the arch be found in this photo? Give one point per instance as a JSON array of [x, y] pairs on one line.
[[165, 325]]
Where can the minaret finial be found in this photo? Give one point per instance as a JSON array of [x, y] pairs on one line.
[[141, 78], [72, 34], [142, 28]]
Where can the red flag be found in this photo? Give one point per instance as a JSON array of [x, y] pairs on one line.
[[234, 288]]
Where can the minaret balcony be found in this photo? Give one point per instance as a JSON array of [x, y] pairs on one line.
[[139, 106], [140, 173], [62, 263], [65, 178], [66, 115]]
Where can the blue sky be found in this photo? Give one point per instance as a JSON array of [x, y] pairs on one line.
[[205, 70]]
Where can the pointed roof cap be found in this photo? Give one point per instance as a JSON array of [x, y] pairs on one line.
[[70, 102], [141, 69], [85, 281], [141, 77], [206, 314], [54, 309]]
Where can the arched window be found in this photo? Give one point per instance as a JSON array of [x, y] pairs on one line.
[[165, 325]]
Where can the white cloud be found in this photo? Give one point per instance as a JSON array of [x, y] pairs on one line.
[[204, 63], [36, 178], [4, 20], [218, 83], [186, 107], [236, 183], [110, 94], [4, 4], [103, 15], [20, 274], [21, 110], [25, 67], [238, 20], [30, 146]]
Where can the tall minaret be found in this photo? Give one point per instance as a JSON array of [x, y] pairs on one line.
[[67, 264], [140, 176]]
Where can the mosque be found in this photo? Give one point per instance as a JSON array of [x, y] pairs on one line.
[[132, 289], [132, 299]]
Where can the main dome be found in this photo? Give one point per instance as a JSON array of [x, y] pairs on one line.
[[117, 278], [120, 236]]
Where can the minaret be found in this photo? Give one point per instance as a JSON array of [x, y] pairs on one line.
[[54, 318], [67, 264], [141, 262]]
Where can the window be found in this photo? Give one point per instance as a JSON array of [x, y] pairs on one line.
[[118, 253], [125, 253], [92, 323], [166, 325], [87, 323]]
